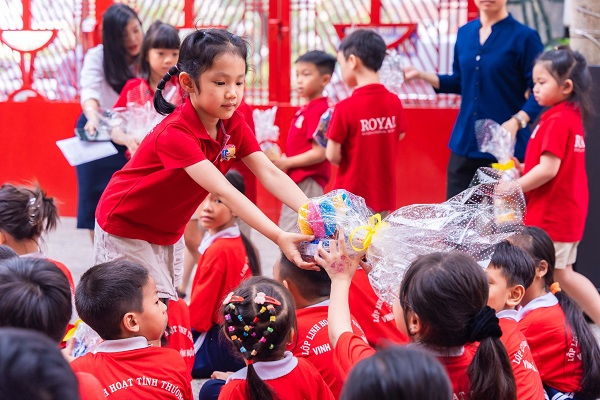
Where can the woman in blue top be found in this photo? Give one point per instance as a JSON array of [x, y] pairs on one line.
[[492, 71]]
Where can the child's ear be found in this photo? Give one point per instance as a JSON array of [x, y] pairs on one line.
[[542, 269], [515, 296], [567, 87], [325, 79], [353, 61], [414, 325], [290, 337], [129, 323], [186, 82], [2, 237]]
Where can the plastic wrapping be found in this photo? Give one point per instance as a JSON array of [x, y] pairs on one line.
[[323, 217], [267, 133], [320, 134], [467, 222], [391, 74], [86, 340], [494, 139]]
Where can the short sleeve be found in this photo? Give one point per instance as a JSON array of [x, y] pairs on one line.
[[556, 137], [178, 149], [338, 129], [247, 144], [350, 349], [91, 78]]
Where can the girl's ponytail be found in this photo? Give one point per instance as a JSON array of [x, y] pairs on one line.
[[26, 212], [256, 388], [490, 373], [252, 256], [160, 104]]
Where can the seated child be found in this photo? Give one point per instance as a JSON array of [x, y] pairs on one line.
[[510, 273], [119, 300], [226, 258], [562, 344], [398, 373], [35, 295], [179, 333], [442, 307], [259, 320], [310, 290], [305, 160]]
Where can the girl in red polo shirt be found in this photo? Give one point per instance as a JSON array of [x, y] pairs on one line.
[[144, 210], [563, 346], [554, 178]]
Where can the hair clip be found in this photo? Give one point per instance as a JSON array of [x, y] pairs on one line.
[[263, 340], [262, 298], [227, 317], [232, 298], [243, 349], [253, 353], [230, 329], [269, 329], [271, 346], [234, 337]]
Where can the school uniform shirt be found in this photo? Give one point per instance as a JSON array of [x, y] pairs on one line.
[[314, 345], [249, 177], [222, 266], [152, 198], [456, 361], [555, 351], [350, 349], [131, 369], [374, 315], [300, 140], [368, 125], [180, 336], [290, 378], [527, 377], [89, 387], [559, 206]]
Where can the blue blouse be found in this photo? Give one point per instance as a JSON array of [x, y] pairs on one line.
[[492, 79]]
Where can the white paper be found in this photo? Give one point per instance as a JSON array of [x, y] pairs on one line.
[[78, 152]]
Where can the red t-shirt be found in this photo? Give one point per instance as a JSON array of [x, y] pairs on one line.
[[373, 314], [350, 349], [180, 338], [222, 267], [152, 198], [555, 351], [456, 367], [314, 345], [65, 271], [527, 377], [368, 125], [138, 86], [249, 177], [300, 140], [130, 369], [292, 379], [559, 206], [89, 387]]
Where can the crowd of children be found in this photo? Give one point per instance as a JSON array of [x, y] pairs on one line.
[[317, 330]]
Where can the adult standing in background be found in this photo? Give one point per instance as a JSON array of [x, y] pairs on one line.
[[492, 71], [106, 69]]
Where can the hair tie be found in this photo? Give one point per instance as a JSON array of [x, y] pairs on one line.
[[555, 287], [483, 325]]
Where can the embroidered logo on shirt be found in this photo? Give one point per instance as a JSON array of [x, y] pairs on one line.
[[579, 144], [228, 152]]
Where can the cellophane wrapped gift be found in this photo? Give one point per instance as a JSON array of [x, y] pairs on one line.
[[86, 339], [467, 223], [320, 134], [326, 215], [492, 138], [391, 73], [267, 133]]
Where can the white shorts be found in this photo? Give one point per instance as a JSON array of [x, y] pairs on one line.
[[566, 254], [164, 263]]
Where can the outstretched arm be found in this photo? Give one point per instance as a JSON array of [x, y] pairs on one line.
[[542, 173]]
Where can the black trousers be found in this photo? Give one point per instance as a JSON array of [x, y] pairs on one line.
[[461, 171]]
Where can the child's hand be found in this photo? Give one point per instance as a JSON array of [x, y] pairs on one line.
[[518, 166], [336, 262], [281, 163], [512, 126], [67, 352], [288, 243], [221, 375], [411, 73]]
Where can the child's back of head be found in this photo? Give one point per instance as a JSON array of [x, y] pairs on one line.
[[32, 367], [312, 286], [367, 45], [448, 292], [34, 294]]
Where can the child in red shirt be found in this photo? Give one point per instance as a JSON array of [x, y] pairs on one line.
[[310, 290], [119, 300], [226, 259], [510, 273], [365, 127], [305, 160], [442, 307], [259, 321], [179, 333], [562, 344], [554, 177]]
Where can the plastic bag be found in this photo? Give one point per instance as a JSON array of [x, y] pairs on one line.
[[323, 217], [320, 134], [467, 222], [494, 139], [86, 340], [391, 74], [267, 133]]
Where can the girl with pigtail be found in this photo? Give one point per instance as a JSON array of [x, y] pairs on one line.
[[260, 317], [144, 210], [562, 344]]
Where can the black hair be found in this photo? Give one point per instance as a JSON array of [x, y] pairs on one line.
[[26, 212], [449, 293], [35, 294], [197, 55], [115, 62], [324, 62], [312, 284], [107, 292], [540, 246], [516, 264], [367, 45], [6, 252], [259, 331], [563, 63], [158, 36], [237, 181], [398, 373], [32, 367]]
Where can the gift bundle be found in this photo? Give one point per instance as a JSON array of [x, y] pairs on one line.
[[492, 138], [267, 133]]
